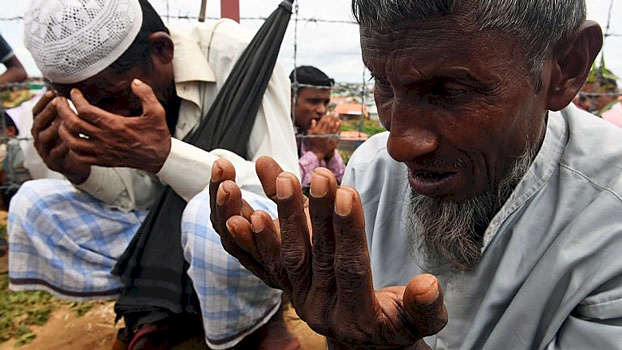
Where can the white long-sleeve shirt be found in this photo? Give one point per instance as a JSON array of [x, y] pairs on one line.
[[204, 55]]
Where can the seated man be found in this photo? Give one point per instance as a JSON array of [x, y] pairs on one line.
[[317, 128], [12, 170], [487, 217], [14, 72], [138, 90]]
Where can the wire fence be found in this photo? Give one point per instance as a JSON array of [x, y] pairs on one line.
[[12, 174]]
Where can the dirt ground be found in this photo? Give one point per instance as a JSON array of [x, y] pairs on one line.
[[95, 330], [64, 331]]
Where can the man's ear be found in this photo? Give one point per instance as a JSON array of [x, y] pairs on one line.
[[162, 47], [572, 60]]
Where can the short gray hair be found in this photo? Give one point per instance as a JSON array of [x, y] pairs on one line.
[[539, 24]]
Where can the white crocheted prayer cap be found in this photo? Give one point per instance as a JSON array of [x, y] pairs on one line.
[[72, 40]]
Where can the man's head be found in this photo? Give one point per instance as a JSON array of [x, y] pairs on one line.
[[9, 128], [311, 90], [100, 47], [464, 86]]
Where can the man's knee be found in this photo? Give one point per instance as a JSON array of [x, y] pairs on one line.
[[196, 227], [32, 192]]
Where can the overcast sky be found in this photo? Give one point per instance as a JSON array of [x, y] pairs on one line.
[[331, 44]]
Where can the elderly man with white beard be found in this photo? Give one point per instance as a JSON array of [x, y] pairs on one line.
[[487, 217]]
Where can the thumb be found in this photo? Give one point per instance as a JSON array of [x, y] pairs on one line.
[[150, 104], [424, 307]]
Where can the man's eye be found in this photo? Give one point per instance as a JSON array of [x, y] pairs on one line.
[[448, 89], [382, 85]]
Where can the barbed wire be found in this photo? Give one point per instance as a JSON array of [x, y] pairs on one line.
[[609, 12], [324, 136], [196, 18], [600, 94]]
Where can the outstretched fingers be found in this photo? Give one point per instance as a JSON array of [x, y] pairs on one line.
[[251, 236], [355, 292], [321, 207], [267, 171], [222, 170], [295, 237], [235, 231], [267, 242]]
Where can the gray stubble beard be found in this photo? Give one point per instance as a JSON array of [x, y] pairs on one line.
[[450, 234]]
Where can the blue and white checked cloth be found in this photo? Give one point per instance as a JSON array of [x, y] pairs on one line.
[[234, 302], [66, 242]]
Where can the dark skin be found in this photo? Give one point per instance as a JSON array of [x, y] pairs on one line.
[[103, 102], [327, 274], [14, 73]]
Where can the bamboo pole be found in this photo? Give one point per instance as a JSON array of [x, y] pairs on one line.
[[202, 11]]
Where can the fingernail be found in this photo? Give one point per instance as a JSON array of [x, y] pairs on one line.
[[137, 82], [319, 185], [257, 223], [230, 228], [433, 299], [216, 173], [427, 290], [284, 188], [221, 195], [343, 202]]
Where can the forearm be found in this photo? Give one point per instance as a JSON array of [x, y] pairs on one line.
[[13, 76], [117, 187], [188, 169], [15, 72]]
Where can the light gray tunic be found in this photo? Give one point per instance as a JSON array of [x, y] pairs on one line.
[[550, 276]]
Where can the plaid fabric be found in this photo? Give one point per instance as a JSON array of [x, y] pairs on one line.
[[234, 302], [66, 242]]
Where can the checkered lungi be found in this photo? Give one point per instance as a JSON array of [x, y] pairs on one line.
[[66, 242], [231, 297]]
